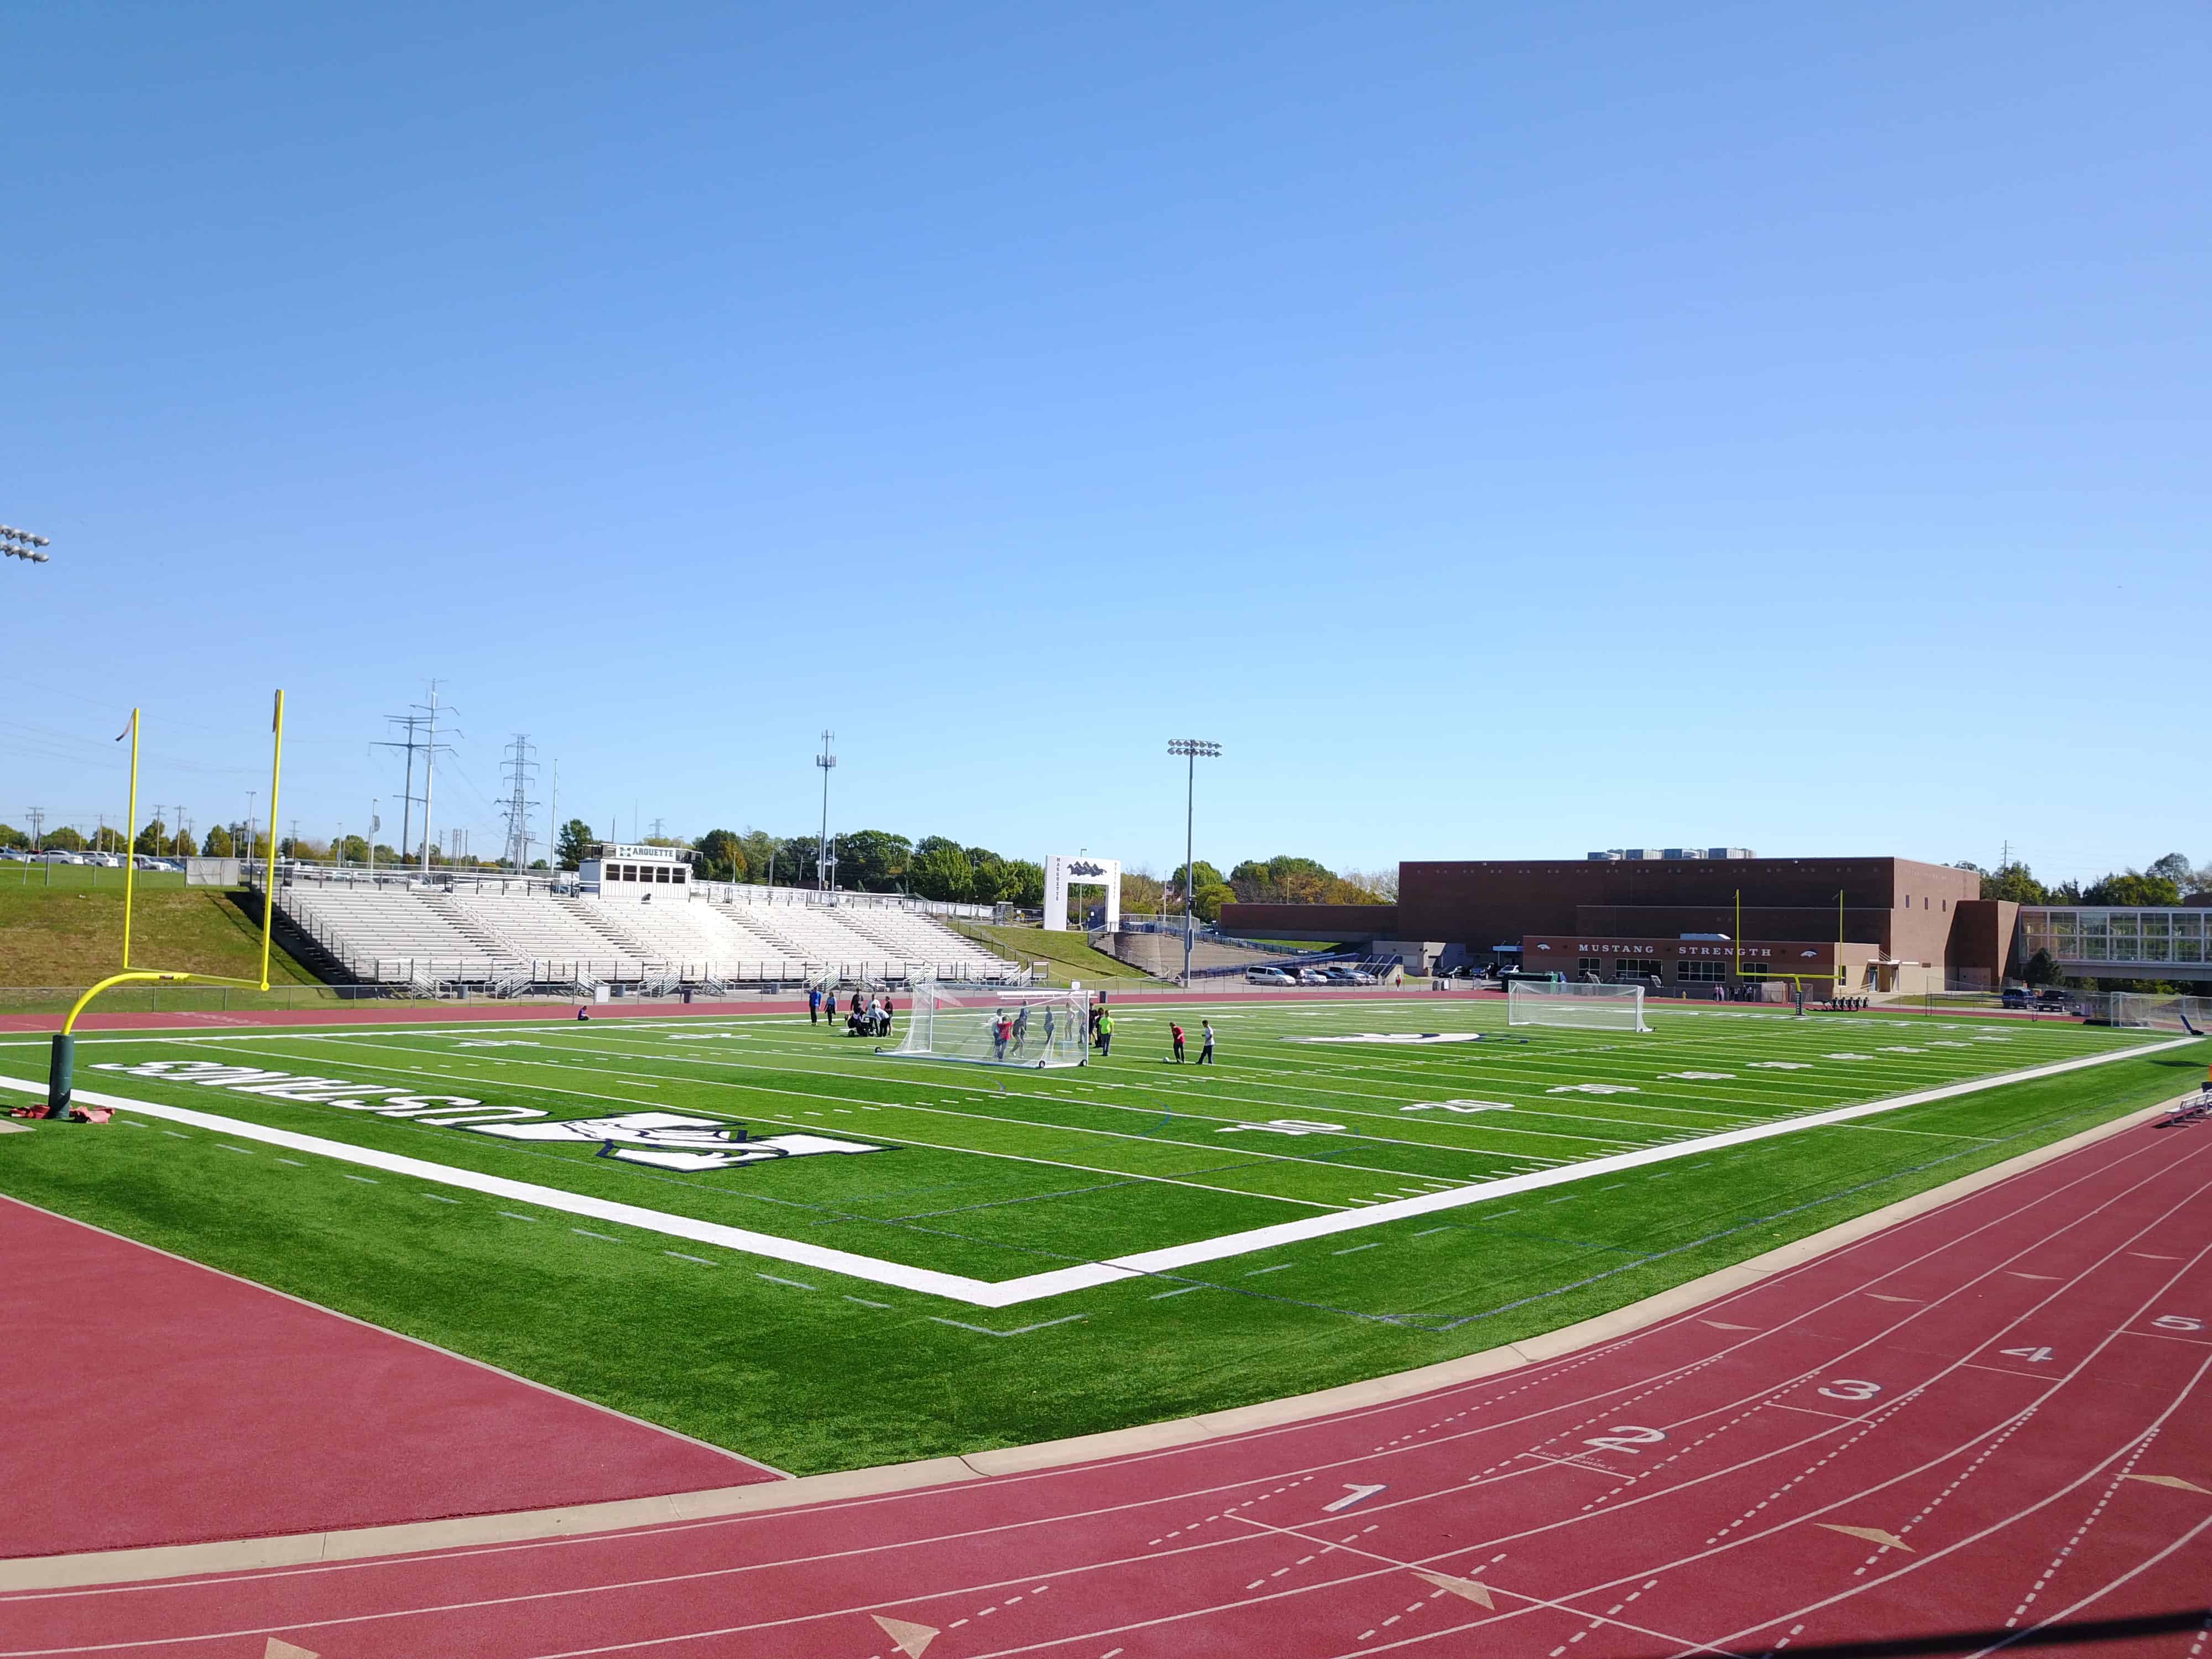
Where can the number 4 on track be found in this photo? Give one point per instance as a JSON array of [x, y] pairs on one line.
[[2033, 1356]]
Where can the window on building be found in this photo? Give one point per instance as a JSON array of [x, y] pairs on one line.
[[1589, 965], [680, 873], [1634, 968], [660, 874], [1700, 973], [1757, 969]]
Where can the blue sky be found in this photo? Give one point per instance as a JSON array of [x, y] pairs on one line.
[[1508, 430]]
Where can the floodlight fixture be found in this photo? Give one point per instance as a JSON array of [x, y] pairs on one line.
[[23, 545]]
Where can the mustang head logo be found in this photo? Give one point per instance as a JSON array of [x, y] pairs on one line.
[[671, 1140]]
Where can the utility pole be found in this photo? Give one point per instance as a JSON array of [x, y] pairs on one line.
[[412, 723], [517, 767], [1192, 749], [659, 828], [553, 821], [375, 823], [38, 816], [825, 870]]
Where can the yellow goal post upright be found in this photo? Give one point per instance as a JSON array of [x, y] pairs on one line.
[[62, 1063]]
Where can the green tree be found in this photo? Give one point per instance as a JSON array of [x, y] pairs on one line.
[[940, 870], [12, 838], [2041, 970], [1206, 903], [796, 864], [2015, 882], [574, 844], [1203, 875], [353, 849], [873, 860], [152, 840], [2175, 869], [758, 847], [216, 843], [718, 856], [2133, 889], [62, 839], [1023, 883], [988, 884]]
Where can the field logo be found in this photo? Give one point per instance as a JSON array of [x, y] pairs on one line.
[[671, 1140]]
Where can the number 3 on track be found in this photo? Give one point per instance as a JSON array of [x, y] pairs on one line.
[[1849, 1387], [2033, 1356]]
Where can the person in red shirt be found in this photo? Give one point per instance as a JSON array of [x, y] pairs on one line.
[[1177, 1031]]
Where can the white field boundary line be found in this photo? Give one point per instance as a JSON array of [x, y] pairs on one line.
[[1010, 1292]]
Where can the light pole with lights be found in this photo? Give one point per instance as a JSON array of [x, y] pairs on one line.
[[1192, 749], [22, 544]]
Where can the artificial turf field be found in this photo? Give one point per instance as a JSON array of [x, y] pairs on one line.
[[929, 1177]]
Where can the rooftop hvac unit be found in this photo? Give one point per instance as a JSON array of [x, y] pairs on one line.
[[1730, 853]]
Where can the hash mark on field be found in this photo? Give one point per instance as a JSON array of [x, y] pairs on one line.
[[985, 1330], [173, 1135], [293, 1162], [1277, 1268], [864, 1303], [1355, 1248], [511, 1216], [228, 1147], [588, 1233], [365, 1180], [793, 1283], [1431, 1230], [439, 1197], [680, 1256], [1185, 1290]]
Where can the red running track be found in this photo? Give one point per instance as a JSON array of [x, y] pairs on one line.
[[1987, 1422], [154, 1401]]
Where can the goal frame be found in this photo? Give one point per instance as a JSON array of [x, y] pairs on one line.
[[1525, 1004], [965, 1040]]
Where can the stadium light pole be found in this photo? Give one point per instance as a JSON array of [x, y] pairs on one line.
[[825, 865], [1192, 749]]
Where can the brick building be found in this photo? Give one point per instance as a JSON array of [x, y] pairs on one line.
[[1899, 925]]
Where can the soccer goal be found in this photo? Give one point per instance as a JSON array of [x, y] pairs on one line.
[[1585, 1007], [990, 1027]]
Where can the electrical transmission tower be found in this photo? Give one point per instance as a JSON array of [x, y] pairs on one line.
[[519, 769], [421, 726]]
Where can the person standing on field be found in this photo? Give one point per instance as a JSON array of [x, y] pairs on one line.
[[1105, 1034], [813, 1005], [1206, 1044], [1175, 1031]]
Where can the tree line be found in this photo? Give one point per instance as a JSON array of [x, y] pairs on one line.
[[866, 860], [2168, 880]]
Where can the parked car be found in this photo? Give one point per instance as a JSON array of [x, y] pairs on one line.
[[2016, 996], [1268, 976], [1312, 977]]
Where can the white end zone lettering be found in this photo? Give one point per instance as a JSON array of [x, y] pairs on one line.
[[670, 1140]]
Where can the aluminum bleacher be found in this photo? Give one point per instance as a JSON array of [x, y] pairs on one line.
[[511, 942]]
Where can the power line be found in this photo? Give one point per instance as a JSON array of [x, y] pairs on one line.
[[519, 768]]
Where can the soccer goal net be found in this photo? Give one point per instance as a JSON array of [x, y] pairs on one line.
[[1588, 1007], [990, 1027]]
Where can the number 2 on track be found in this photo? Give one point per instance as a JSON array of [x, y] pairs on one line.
[[1627, 1437], [2033, 1356]]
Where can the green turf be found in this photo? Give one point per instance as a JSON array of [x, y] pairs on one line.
[[811, 1371]]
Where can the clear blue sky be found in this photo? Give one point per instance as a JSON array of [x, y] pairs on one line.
[[1508, 430]]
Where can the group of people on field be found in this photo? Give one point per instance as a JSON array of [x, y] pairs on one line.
[[1101, 1035], [869, 1019]]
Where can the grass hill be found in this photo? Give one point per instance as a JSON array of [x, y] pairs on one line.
[[67, 935], [1070, 954]]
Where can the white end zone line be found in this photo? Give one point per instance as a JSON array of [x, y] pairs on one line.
[[1010, 1292]]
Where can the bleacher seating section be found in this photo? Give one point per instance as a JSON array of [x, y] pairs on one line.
[[398, 936]]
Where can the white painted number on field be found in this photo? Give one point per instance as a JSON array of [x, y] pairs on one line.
[[1626, 1436], [1283, 1126], [2177, 1323], [2033, 1356], [1849, 1387], [1458, 1106]]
